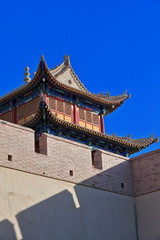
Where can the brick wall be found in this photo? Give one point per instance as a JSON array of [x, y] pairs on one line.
[[62, 157], [146, 172]]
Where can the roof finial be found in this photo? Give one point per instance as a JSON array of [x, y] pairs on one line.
[[42, 57], [27, 74], [67, 60]]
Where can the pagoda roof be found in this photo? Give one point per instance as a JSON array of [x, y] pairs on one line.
[[133, 145], [60, 77], [64, 73]]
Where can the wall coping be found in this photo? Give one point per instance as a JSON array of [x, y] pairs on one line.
[[145, 155], [62, 139], [16, 126], [84, 146]]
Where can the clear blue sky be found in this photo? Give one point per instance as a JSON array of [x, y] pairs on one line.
[[114, 46]]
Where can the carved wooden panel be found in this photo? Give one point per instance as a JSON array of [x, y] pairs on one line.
[[31, 107], [21, 112], [7, 117], [88, 116], [81, 114], [59, 106], [27, 108], [68, 108], [52, 103], [95, 119]]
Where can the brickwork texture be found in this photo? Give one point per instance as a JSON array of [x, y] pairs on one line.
[[59, 157], [146, 172]]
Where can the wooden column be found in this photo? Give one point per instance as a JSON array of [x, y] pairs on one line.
[[14, 115], [102, 124], [75, 114]]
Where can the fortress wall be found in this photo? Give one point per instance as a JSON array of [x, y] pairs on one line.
[[146, 179], [37, 207], [148, 216], [62, 157], [146, 172]]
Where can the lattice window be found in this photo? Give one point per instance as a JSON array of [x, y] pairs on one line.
[[59, 106], [30, 107], [21, 112], [7, 117], [27, 109], [52, 103], [88, 116], [68, 108], [95, 119], [81, 114]]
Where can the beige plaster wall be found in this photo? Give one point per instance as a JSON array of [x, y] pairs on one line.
[[36, 207], [148, 216]]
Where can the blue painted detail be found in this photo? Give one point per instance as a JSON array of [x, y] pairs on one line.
[[86, 104], [6, 108], [57, 93], [89, 142], [24, 99], [73, 99]]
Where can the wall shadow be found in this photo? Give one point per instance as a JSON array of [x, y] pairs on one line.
[[49, 219], [7, 231], [100, 215]]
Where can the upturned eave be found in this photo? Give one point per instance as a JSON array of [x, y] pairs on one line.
[[133, 145], [110, 103]]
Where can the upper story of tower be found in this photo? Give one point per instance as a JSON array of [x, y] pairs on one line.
[[65, 94], [56, 101]]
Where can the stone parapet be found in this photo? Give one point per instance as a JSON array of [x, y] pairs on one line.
[[62, 159]]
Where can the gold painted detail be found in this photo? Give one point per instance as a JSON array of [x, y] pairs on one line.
[[96, 128], [21, 121], [68, 119], [89, 126], [53, 112], [82, 124], [60, 116], [28, 118]]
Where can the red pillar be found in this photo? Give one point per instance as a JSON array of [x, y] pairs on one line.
[[102, 124], [75, 114], [14, 115]]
